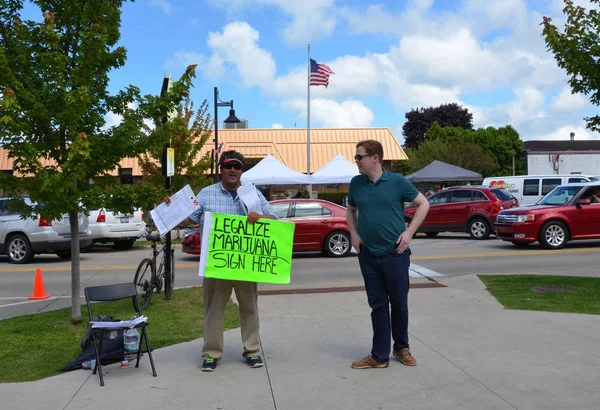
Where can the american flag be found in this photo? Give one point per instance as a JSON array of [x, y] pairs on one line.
[[319, 73]]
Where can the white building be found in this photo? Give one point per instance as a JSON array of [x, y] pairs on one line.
[[563, 157]]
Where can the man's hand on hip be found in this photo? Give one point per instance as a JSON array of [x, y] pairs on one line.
[[404, 240]]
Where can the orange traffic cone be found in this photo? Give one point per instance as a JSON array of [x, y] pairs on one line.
[[38, 286]]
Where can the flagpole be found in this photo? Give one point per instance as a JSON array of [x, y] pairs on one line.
[[308, 127]]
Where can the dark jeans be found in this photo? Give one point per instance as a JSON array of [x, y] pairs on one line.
[[387, 283]]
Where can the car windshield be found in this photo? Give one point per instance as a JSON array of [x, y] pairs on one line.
[[560, 195]]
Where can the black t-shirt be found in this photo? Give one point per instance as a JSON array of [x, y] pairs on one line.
[[233, 193]]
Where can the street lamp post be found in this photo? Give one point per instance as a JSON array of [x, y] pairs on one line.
[[232, 119]]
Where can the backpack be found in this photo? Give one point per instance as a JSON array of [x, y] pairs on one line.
[[87, 339]]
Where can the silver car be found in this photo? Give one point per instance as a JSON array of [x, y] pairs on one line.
[[21, 239], [123, 229]]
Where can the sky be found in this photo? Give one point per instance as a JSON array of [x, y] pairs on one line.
[[389, 56]]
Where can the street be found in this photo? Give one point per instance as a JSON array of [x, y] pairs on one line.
[[449, 255]]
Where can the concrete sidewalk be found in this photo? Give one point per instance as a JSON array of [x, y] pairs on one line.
[[471, 353]]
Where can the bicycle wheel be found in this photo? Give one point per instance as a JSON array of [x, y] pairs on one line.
[[143, 282]]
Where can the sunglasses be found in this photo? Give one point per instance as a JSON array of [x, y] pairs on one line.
[[358, 157], [237, 166]]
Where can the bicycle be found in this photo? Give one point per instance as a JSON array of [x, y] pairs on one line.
[[148, 277]]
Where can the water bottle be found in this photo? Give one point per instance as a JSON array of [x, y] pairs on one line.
[[131, 341]]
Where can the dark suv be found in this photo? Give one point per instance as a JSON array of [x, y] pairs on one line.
[[471, 209]]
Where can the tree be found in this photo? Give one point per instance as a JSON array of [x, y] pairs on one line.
[[55, 75], [503, 144], [464, 154], [577, 51], [419, 120], [191, 130]]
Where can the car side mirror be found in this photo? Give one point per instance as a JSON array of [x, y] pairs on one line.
[[582, 202]]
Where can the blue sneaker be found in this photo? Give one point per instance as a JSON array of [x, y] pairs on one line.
[[254, 361], [209, 364]]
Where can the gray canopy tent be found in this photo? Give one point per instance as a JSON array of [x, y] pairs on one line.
[[439, 171]]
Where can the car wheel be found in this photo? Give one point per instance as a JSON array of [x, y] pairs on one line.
[[124, 245], [64, 254], [19, 249], [432, 234], [337, 244], [521, 244], [479, 229], [554, 235]]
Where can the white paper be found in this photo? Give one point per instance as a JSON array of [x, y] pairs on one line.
[[249, 198], [131, 323], [167, 217], [206, 230]]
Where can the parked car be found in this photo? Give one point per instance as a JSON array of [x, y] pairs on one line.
[[21, 239], [191, 240], [564, 215], [529, 189], [319, 226], [470, 209], [123, 229]]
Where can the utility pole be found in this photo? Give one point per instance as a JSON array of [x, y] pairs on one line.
[[165, 171]]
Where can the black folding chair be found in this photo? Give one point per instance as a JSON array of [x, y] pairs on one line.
[[109, 293]]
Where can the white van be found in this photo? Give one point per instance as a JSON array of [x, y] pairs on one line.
[[528, 189]]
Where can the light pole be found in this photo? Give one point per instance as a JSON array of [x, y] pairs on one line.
[[232, 119]]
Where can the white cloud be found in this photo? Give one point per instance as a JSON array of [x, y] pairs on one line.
[[182, 59], [568, 102], [307, 20], [237, 46], [112, 119], [433, 58], [563, 133], [277, 125], [331, 114], [164, 5]]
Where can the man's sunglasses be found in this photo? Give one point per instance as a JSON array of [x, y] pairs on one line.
[[358, 157], [237, 166]]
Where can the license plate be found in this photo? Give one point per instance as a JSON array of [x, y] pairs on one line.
[[124, 220]]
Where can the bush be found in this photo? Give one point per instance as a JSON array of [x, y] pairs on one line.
[[335, 197]]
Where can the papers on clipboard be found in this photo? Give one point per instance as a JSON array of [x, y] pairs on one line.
[[249, 198], [131, 323], [183, 204]]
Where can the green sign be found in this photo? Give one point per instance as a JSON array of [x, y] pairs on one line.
[[232, 248]]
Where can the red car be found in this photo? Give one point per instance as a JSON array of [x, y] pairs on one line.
[[463, 209], [566, 213], [191, 241], [320, 226]]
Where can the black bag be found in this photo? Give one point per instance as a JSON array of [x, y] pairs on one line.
[[88, 340]]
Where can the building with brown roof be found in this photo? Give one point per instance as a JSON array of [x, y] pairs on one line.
[[288, 145]]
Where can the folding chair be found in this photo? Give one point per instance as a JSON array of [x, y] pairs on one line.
[[110, 293]]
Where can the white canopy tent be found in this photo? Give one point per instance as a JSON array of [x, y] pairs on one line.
[[270, 171], [337, 171]]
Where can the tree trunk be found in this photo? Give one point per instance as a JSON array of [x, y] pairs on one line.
[[75, 273]]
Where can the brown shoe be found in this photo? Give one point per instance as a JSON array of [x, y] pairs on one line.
[[405, 357], [369, 363]]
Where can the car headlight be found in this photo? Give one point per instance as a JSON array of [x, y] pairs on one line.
[[525, 218]]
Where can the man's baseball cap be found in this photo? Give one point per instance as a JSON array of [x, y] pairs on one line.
[[232, 156]]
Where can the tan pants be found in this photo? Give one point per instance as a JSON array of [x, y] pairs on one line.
[[216, 295]]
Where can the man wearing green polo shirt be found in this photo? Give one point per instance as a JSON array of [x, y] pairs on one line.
[[375, 215]]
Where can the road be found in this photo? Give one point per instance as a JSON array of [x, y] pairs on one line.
[[450, 255]]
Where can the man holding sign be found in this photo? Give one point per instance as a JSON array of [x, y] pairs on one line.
[[223, 198]]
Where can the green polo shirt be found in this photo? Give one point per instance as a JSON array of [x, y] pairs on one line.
[[381, 209]]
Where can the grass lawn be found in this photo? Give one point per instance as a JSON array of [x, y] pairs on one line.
[[33, 347], [515, 292]]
